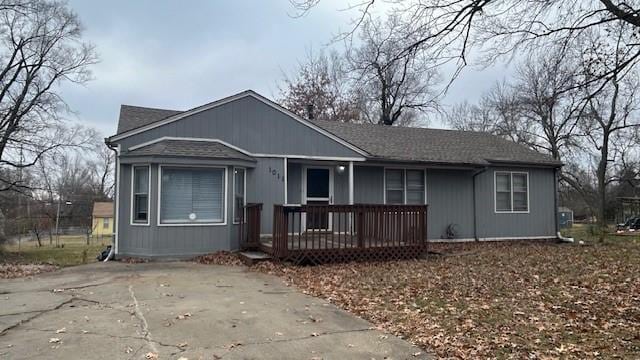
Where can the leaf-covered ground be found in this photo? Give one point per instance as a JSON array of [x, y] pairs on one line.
[[497, 300]]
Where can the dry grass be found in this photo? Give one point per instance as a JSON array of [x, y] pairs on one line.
[[20, 260], [497, 300]]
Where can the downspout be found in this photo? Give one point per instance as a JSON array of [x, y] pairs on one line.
[[116, 189], [555, 212], [475, 215]]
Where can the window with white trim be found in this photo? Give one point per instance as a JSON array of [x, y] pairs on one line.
[[239, 193], [192, 195], [140, 214], [415, 187], [404, 186], [512, 191], [105, 223], [394, 180]]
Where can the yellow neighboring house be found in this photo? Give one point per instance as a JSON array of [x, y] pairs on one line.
[[102, 224]]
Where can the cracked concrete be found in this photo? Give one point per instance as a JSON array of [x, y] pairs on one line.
[[124, 311]]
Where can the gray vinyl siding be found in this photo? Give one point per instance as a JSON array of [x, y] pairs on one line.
[[251, 125], [449, 196], [450, 200], [540, 221], [368, 185], [265, 184]]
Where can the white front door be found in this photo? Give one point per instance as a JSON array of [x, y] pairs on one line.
[[318, 189]]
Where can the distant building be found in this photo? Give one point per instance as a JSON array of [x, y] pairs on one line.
[[565, 217], [102, 219]]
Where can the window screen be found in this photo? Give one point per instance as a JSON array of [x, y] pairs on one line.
[[415, 187], [512, 192], [395, 186], [192, 196], [503, 192], [520, 188], [140, 194]]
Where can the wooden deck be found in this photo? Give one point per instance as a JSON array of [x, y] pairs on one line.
[[358, 232], [325, 241]]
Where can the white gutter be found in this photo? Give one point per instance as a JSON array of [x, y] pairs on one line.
[[114, 249], [564, 239]]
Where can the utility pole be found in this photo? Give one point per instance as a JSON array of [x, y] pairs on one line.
[[58, 223], [58, 218]]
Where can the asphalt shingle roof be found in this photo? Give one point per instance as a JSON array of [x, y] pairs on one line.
[[103, 209], [201, 149], [132, 117], [434, 145], [381, 142]]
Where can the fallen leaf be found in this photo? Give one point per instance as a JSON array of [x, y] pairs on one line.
[[183, 316], [151, 356]]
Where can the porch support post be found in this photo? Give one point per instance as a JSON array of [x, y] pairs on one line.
[[286, 195], [350, 182]]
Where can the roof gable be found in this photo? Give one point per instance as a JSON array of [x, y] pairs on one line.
[[136, 126]]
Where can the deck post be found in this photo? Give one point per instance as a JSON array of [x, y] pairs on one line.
[[360, 227], [286, 175], [285, 232], [350, 182]]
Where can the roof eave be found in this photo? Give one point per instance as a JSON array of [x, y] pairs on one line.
[[545, 164]]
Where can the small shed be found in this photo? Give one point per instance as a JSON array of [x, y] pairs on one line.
[[565, 217], [102, 222], [628, 207]]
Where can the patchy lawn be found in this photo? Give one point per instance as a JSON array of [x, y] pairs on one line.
[[498, 300], [29, 259]]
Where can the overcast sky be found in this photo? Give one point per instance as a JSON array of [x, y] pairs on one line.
[[168, 55]]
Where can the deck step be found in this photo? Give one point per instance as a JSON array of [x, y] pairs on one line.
[[252, 257]]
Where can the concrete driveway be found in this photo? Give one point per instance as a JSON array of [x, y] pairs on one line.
[[129, 311]]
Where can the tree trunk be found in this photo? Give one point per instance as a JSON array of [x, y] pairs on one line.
[[602, 187], [37, 232]]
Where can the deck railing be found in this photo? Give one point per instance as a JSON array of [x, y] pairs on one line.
[[326, 233], [249, 226]]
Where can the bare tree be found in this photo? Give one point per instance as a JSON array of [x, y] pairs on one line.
[[320, 81], [543, 92], [102, 168], [453, 30], [613, 114], [41, 48], [498, 112], [393, 85]]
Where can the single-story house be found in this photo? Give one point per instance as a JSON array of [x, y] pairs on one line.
[[102, 218], [183, 177]]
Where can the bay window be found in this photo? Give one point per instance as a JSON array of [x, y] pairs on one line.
[[192, 195]]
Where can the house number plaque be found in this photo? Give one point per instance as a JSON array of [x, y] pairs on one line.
[[275, 173]]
